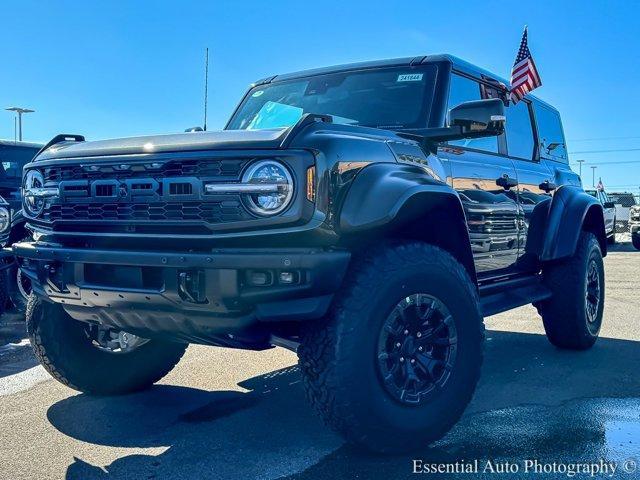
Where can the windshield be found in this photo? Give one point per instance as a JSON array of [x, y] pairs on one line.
[[13, 158], [393, 98]]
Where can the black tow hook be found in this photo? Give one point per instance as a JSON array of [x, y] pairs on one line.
[[52, 274]]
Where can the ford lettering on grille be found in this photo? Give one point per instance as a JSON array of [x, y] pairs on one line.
[[131, 189]]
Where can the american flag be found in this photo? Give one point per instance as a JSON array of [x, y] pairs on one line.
[[524, 75]]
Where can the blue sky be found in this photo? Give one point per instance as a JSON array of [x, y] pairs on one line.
[[108, 69]]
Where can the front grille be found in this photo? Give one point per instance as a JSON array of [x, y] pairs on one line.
[[502, 223], [211, 212], [215, 168], [143, 192]]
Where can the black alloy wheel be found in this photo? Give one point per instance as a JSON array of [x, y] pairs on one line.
[[417, 348]]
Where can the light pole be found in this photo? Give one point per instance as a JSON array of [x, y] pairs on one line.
[[580, 162], [593, 180], [20, 111]]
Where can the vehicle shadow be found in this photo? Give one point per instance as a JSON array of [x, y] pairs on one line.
[[622, 247], [15, 352], [12, 327], [16, 358], [532, 400]]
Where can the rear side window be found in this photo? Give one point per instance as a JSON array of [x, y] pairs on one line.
[[550, 134], [519, 131], [463, 89]]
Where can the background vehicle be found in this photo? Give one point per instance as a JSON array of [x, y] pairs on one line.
[[609, 209], [634, 226], [623, 202], [7, 260], [367, 216], [13, 157]]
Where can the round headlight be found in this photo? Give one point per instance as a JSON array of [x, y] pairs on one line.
[[269, 173], [33, 205], [5, 219]]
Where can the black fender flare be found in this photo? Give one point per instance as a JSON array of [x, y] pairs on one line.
[[394, 197], [571, 211], [381, 190]]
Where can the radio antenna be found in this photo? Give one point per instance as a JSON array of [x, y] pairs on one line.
[[206, 85]]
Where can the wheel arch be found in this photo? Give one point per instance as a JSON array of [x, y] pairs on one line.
[[403, 202], [571, 211]]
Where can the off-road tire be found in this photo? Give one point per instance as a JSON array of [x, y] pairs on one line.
[[565, 314], [4, 291], [18, 300], [65, 351], [635, 240], [337, 355]]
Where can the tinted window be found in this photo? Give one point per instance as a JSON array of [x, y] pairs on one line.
[[519, 131], [550, 134], [464, 89], [383, 98], [13, 158]]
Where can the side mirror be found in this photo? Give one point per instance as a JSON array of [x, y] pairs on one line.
[[474, 119], [479, 118], [609, 205], [194, 129]]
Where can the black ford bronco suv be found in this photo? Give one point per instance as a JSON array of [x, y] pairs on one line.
[[367, 216], [14, 287]]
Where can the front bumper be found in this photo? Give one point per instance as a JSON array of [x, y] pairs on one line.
[[196, 297]]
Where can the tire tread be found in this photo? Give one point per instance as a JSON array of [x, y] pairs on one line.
[[562, 314], [49, 348], [321, 354]]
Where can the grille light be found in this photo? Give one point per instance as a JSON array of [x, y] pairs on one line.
[[35, 192], [266, 188]]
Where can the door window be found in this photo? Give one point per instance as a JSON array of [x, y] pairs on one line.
[[463, 89], [519, 131]]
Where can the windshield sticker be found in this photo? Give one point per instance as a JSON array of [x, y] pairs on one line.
[[410, 77], [258, 93]]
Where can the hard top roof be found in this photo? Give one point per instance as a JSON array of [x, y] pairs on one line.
[[11, 143], [457, 64]]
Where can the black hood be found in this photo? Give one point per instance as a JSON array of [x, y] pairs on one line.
[[180, 142]]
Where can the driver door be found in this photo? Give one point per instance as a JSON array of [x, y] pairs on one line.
[[487, 184]]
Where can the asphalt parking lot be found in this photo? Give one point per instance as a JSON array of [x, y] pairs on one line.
[[234, 414]]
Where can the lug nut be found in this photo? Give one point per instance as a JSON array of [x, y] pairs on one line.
[[398, 344], [413, 360], [406, 332], [420, 349], [402, 359], [418, 334]]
